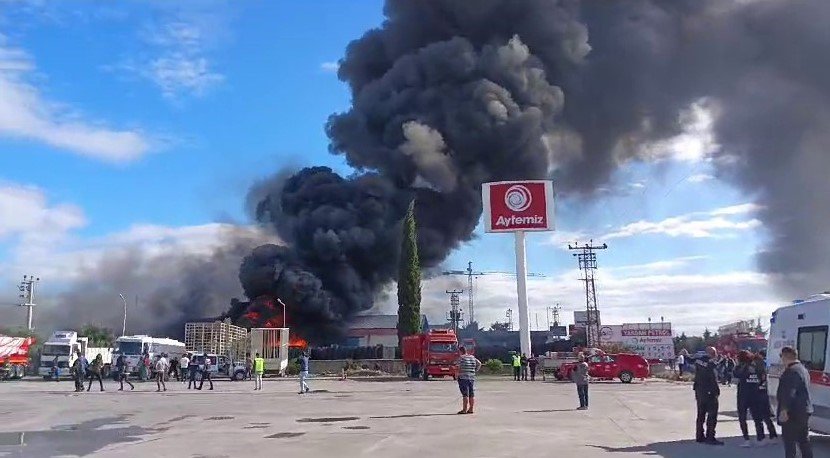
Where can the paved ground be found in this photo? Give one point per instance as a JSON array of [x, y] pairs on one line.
[[361, 419]]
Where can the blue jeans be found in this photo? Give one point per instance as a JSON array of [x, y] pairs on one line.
[[303, 385], [582, 391]]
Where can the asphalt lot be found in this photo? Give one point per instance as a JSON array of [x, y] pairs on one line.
[[363, 418]]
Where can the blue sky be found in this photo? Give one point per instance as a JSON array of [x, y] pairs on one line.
[[144, 124]]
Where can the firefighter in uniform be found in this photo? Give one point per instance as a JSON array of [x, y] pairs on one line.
[[706, 394]]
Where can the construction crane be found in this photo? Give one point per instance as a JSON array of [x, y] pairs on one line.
[[470, 276]]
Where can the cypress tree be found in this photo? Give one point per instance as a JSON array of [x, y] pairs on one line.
[[409, 280]]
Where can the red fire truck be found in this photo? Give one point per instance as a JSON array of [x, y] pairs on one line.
[[741, 335], [432, 353], [14, 356]]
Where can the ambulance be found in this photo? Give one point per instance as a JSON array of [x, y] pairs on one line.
[[803, 325]]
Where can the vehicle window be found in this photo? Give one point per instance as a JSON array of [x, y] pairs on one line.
[[128, 348], [609, 359], [595, 359], [443, 347], [55, 350], [812, 347]]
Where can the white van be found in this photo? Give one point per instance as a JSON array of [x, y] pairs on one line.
[[804, 326]]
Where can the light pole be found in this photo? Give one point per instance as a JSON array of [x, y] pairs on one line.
[[124, 326], [283, 311]]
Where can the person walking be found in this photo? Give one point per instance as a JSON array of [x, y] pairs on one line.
[[173, 363], [794, 405], [729, 370], [533, 364], [517, 366], [184, 367], [206, 373], [56, 370], [304, 373], [259, 369], [468, 365], [160, 370], [580, 378], [748, 381], [95, 372], [706, 396], [123, 371]]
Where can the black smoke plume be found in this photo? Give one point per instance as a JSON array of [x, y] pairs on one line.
[[448, 94]]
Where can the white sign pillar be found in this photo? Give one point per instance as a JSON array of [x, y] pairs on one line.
[[521, 290]]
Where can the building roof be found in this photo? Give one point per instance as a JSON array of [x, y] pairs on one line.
[[378, 322]]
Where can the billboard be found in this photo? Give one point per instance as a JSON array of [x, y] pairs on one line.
[[511, 206], [652, 341], [581, 317]]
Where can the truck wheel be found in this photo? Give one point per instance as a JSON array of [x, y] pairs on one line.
[[238, 375], [626, 377]]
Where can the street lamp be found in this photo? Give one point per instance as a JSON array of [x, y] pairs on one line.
[[283, 311], [124, 326]]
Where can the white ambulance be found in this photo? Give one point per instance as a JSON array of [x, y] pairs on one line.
[[803, 325]]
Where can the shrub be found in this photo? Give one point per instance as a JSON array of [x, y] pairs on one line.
[[493, 366], [293, 368]]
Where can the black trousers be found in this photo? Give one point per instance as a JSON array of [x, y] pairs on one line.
[[532, 373], [206, 376], [79, 380], [92, 377], [192, 379], [123, 376], [748, 403], [517, 373], [707, 412], [796, 435]]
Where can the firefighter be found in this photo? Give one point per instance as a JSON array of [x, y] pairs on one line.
[[517, 367], [706, 395]]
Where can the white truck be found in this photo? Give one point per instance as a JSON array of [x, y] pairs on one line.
[[803, 325], [62, 350], [134, 347]]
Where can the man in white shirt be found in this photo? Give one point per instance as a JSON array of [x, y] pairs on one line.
[[161, 370], [681, 361], [184, 367]]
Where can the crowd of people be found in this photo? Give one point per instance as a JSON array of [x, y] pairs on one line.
[[750, 374]]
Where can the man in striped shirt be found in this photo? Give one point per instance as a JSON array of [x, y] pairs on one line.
[[468, 365]]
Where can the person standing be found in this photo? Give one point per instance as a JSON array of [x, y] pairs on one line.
[[748, 385], [794, 405], [468, 365], [123, 372], [193, 368], [533, 364], [764, 408], [160, 369], [249, 366], [259, 370], [304, 373], [523, 362], [206, 373], [95, 372], [706, 396], [173, 363], [56, 370], [580, 378], [517, 367], [78, 373], [681, 361], [184, 367]]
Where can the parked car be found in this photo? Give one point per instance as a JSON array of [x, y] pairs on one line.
[[623, 366]]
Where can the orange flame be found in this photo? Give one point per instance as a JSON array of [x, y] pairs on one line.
[[297, 342]]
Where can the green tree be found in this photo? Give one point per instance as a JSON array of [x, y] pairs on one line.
[[409, 280], [499, 326], [98, 336]]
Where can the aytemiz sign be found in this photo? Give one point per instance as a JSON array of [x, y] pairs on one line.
[[511, 206]]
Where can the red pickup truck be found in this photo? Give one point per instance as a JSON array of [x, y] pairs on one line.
[[623, 366]]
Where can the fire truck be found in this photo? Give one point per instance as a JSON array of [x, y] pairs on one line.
[[741, 335], [432, 354], [14, 356]]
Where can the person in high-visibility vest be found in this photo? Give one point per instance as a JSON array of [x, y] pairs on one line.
[[517, 367], [259, 369]]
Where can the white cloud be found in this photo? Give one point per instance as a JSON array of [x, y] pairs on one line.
[[658, 266], [715, 224], [26, 214], [26, 114], [700, 178], [330, 67], [561, 239], [179, 63], [695, 143]]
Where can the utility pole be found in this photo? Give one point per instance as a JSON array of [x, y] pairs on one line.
[[588, 264], [553, 312], [27, 290], [454, 316], [509, 316]]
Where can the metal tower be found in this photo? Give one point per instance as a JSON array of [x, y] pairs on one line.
[[588, 264], [455, 315]]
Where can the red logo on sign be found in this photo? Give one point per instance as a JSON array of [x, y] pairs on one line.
[[517, 206]]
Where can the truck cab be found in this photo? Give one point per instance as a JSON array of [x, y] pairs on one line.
[[432, 354], [61, 351]]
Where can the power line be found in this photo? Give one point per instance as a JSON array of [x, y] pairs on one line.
[[588, 264]]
